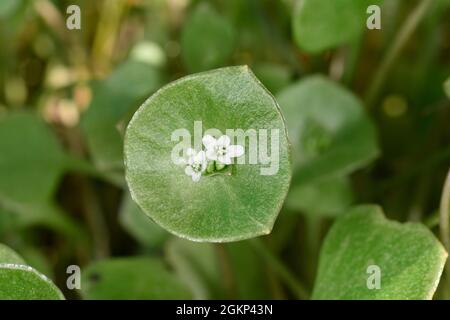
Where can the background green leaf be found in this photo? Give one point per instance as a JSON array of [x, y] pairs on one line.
[[330, 132], [322, 24], [35, 161], [207, 40], [410, 258], [139, 225], [131, 278], [325, 197], [112, 100], [197, 265]]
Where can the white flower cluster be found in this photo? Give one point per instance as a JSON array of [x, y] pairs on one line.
[[218, 150]]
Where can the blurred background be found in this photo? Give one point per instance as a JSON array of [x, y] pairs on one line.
[[67, 95]]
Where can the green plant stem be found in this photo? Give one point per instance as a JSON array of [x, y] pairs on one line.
[[352, 59], [227, 271], [444, 213], [95, 220], [313, 225], [407, 29], [280, 269]]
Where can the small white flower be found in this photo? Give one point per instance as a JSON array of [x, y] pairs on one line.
[[195, 164], [220, 150]]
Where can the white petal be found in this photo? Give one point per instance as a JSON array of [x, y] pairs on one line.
[[209, 141], [225, 159], [188, 170], [196, 176], [204, 165], [179, 161], [223, 141], [190, 152], [235, 151], [211, 154], [200, 157]]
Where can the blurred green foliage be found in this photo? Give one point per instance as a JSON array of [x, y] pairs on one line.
[[367, 115]]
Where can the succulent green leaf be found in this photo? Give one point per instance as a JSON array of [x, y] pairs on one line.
[[240, 204], [323, 24], [21, 282], [138, 278], [330, 132], [207, 40], [363, 243]]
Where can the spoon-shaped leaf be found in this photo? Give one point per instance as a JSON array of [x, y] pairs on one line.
[[241, 203], [410, 259], [322, 24], [21, 282], [131, 278], [329, 130]]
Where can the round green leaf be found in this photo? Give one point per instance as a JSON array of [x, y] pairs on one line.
[[21, 282], [207, 40], [322, 24], [131, 278], [407, 258], [32, 161], [330, 132], [241, 203]]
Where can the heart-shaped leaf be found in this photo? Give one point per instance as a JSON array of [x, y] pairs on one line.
[[207, 40], [366, 256], [330, 132], [131, 278], [322, 24], [21, 282], [238, 202], [112, 99]]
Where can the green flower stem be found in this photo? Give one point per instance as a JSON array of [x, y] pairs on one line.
[[394, 50], [313, 224], [280, 269]]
